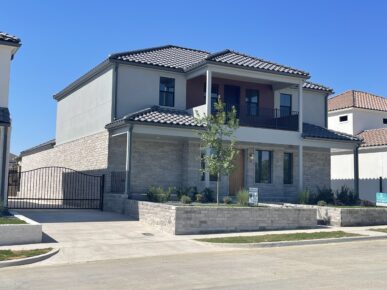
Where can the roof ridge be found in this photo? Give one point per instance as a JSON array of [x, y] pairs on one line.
[[218, 53], [161, 47], [268, 61], [374, 129]]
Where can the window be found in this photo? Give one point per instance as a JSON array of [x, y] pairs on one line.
[[203, 164], [288, 168], [167, 92], [285, 105], [263, 166], [344, 118], [384, 120], [252, 102], [214, 96]]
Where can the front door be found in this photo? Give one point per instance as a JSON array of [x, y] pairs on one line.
[[231, 97], [237, 177]]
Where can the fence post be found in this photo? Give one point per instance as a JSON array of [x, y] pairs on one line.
[[101, 191]]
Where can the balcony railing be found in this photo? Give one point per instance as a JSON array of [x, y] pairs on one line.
[[267, 118]]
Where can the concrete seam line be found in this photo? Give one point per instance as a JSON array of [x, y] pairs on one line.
[[29, 260], [293, 243]]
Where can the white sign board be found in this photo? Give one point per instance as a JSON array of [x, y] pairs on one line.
[[253, 195]]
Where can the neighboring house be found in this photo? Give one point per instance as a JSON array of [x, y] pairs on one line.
[[365, 116], [132, 118], [8, 46]]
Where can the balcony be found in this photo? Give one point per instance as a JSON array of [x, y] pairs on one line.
[[267, 118]]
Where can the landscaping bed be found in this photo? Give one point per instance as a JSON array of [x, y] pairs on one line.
[[6, 255], [280, 237]]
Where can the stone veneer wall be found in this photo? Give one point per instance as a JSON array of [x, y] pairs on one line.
[[317, 169], [181, 220]]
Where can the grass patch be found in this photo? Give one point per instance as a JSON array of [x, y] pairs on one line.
[[384, 230], [10, 220], [13, 255], [280, 237]]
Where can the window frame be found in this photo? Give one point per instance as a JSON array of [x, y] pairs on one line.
[[214, 95], [289, 107], [249, 103], [288, 175], [163, 93], [385, 121], [259, 165]]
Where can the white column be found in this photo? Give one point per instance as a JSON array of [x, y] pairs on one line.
[[300, 168], [208, 91], [128, 155], [300, 106]]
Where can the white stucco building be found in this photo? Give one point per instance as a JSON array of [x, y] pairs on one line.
[[8, 46], [365, 116]]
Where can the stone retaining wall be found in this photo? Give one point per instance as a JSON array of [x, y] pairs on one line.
[[181, 220]]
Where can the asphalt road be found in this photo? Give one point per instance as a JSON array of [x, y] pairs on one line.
[[357, 265]]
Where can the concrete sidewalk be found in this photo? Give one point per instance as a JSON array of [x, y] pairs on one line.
[[91, 235]]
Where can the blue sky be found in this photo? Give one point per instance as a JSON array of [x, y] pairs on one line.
[[341, 43]]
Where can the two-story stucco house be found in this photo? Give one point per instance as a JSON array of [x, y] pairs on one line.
[[132, 118], [365, 116], [9, 45]]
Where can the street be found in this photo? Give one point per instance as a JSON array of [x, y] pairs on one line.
[[356, 265]]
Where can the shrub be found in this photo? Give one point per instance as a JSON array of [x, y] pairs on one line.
[[185, 199], [183, 191], [321, 203], [242, 197], [304, 197], [227, 200], [326, 194], [194, 192], [346, 196], [158, 194], [208, 194], [199, 197]]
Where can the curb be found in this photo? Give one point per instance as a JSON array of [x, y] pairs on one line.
[[294, 243], [30, 260]]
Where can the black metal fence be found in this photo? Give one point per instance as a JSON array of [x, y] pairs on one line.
[[117, 181], [55, 187]]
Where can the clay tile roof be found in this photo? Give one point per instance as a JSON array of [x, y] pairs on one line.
[[357, 99], [317, 87], [9, 38], [374, 137]]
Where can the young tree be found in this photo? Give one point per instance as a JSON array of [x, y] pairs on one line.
[[219, 141]]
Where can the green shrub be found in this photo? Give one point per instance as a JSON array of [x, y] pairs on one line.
[[242, 197], [158, 194], [321, 203], [199, 197], [304, 197], [326, 194], [183, 191], [185, 199], [208, 195], [345, 196], [3, 210], [227, 200]]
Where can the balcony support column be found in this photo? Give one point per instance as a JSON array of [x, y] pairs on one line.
[[300, 106], [208, 91]]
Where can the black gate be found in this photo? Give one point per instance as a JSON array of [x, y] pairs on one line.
[[54, 188]]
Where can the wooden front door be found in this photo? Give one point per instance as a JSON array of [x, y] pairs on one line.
[[237, 178]]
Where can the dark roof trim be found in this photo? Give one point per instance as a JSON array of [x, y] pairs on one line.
[[8, 43], [102, 67], [41, 147]]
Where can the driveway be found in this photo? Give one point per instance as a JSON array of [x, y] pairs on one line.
[[92, 235]]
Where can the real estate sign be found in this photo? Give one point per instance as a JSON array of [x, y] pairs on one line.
[[381, 199], [253, 195]]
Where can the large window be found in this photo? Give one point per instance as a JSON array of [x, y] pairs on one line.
[[252, 102], [214, 96], [203, 164], [263, 166], [167, 92], [288, 168], [286, 105]]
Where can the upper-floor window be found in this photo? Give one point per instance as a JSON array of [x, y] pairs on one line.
[[167, 92], [214, 96], [252, 102], [343, 118], [384, 120], [285, 105], [263, 166]]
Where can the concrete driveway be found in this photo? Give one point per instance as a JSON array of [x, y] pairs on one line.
[[92, 235]]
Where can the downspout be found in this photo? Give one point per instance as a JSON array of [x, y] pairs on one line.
[[114, 92], [356, 170], [326, 111]]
